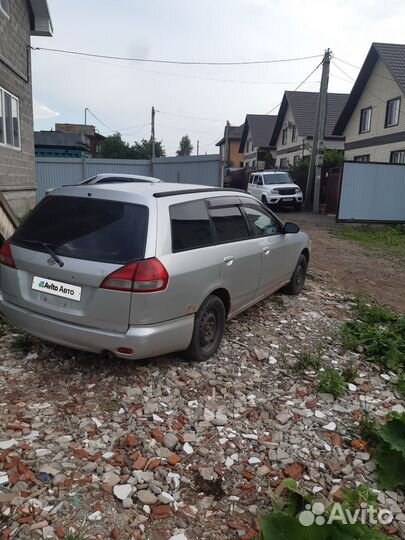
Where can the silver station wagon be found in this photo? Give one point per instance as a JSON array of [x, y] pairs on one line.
[[145, 269]]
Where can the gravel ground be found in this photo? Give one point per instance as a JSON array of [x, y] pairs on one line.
[[166, 449]]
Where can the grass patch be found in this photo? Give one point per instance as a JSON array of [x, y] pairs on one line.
[[23, 343], [379, 334], [385, 239], [289, 518], [308, 361], [330, 381], [349, 374]]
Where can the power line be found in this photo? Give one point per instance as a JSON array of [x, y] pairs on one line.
[[299, 86], [365, 89], [100, 121], [190, 117], [177, 62], [182, 75], [357, 67]]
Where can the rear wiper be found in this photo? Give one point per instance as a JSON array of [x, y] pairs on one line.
[[52, 254], [48, 249]]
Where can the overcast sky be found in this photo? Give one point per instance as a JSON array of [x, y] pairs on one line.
[[121, 94]]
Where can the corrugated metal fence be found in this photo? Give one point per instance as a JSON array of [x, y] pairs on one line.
[[372, 192], [56, 172]]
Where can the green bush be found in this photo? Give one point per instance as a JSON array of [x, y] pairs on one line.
[[330, 381], [379, 334]]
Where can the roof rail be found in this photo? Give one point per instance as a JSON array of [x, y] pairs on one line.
[[160, 194]]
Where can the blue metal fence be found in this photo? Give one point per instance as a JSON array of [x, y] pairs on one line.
[[372, 192], [56, 172]]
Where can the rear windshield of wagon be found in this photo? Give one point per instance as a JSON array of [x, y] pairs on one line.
[[86, 228]]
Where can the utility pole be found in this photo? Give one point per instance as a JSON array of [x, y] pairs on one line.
[[85, 116], [152, 137], [315, 166], [198, 147]]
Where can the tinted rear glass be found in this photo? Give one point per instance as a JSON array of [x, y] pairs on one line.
[[229, 224], [86, 228], [190, 225]]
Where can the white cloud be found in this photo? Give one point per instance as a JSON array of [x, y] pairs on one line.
[[42, 112]]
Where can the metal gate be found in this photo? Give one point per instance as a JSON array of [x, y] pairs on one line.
[[372, 193]]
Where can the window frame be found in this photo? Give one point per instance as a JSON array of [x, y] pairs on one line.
[[4, 144], [358, 159], [397, 152], [293, 133], [386, 125], [284, 136], [282, 160], [5, 12], [364, 110]]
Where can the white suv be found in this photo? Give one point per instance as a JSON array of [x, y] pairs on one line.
[[275, 187]]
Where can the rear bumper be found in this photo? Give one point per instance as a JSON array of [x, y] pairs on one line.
[[145, 341]]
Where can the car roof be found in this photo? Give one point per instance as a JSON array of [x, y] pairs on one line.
[[122, 175], [142, 191]]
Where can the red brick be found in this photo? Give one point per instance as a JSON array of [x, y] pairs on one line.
[[173, 459], [161, 511]]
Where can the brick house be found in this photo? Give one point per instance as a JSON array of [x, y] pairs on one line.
[[373, 120], [19, 20], [92, 137], [229, 147]]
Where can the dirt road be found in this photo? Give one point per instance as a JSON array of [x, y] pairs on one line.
[[349, 266]]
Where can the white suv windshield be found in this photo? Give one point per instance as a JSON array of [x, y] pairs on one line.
[[277, 178]]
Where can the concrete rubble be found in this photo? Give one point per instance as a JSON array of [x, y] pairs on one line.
[[166, 449]]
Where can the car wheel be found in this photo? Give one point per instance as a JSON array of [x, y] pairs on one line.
[[298, 206], [209, 326], [264, 200], [298, 278]]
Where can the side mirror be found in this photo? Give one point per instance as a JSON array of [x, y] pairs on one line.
[[291, 228]]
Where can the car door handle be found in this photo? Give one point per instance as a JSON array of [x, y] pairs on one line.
[[229, 260], [266, 250]]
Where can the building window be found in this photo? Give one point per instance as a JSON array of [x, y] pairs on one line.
[[284, 136], [5, 7], [9, 120], [294, 133], [297, 160], [398, 156], [365, 120], [392, 112], [363, 159], [284, 163]]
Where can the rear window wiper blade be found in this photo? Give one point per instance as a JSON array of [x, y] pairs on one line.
[[48, 248]]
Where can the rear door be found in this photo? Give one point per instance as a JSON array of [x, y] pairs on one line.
[[91, 238], [251, 188], [239, 257], [278, 250]]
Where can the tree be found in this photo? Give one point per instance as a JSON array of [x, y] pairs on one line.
[[114, 147], [185, 146], [143, 149]]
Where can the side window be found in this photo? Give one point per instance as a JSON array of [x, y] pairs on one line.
[[259, 181], [229, 223], [261, 223], [253, 179], [190, 224]]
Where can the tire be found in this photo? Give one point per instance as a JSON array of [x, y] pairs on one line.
[[209, 326], [264, 200], [298, 206], [298, 278]]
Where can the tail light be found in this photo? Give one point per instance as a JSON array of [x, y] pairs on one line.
[[6, 257], [144, 276]]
